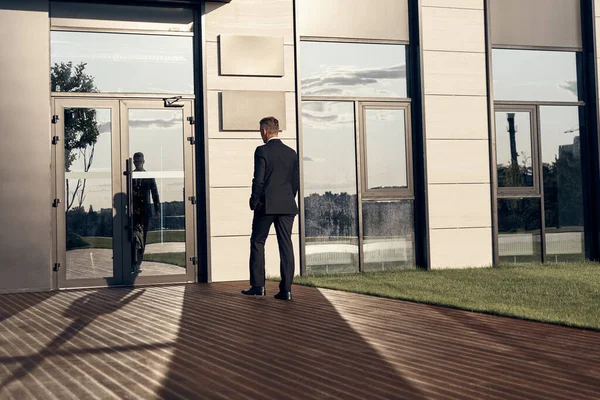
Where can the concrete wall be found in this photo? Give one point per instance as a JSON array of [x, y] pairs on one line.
[[456, 133], [25, 198], [231, 153]]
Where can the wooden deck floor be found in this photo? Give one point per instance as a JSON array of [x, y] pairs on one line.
[[210, 342]]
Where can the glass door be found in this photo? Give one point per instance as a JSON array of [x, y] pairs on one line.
[[122, 172], [159, 181]]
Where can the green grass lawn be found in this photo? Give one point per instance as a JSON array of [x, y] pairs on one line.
[[153, 237], [167, 258], [567, 294]]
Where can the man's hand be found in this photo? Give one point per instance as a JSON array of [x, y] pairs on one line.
[[156, 214]]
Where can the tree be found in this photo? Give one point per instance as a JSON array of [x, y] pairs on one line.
[[81, 126]]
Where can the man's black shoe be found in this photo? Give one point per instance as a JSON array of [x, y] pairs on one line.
[[283, 296], [255, 291]]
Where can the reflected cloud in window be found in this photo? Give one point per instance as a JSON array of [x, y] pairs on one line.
[[127, 63], [531, 75], [353, 69]]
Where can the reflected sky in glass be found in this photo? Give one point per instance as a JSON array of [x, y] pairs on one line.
[[329, 147], [98, 187], [386, 149], [353, 69], [559, 130], [531, 75], [158, 134], [126, 63]]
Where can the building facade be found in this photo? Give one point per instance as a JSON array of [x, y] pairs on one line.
[[431, 134]]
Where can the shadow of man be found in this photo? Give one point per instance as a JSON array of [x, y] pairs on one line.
[[83, 311]]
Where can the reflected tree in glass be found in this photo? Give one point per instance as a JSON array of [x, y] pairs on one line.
[[563, 182], [81, 127], [330, 187]]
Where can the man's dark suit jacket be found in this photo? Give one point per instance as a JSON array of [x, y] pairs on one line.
[[276, 179]]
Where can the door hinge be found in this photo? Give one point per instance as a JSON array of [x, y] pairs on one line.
[[55, 139], [56, 267], [55, 203], [192, 199], [192, 140], [191, 120], [193, 260], [55, 119]]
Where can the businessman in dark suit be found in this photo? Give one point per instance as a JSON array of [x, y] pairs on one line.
[[273, 200]]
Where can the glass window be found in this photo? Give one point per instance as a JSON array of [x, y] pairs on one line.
[[519, 230], [88, 192], [388, 235], [514, 156], [535, 75], [109, 62], [385, 137], [353, 69], [330, 187], [563, 191]]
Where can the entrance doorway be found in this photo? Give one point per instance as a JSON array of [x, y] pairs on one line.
[[124, 191]]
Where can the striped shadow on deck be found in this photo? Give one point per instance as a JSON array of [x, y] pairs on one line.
[[210, 342]]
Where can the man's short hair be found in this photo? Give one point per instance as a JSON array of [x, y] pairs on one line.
[[270, 124], [138, 155]]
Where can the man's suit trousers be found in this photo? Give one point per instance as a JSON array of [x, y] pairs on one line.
[[261, 224]]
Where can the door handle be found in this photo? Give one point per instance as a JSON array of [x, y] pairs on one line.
[[129, 175]]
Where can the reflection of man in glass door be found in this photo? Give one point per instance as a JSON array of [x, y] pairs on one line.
[[142, 210]]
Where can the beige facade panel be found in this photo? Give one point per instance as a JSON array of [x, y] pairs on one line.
[[354, 19], [214, 120], [459, 206], [454, 73], [458, 161], [251, 55], [214, 81], [230, 258], [468, 4], [453, 29], [110, 17], [232, 161], [250, 17], [25, 149], [230, 214], [456, 117], [243, 110], [536, 23], [461, 248]]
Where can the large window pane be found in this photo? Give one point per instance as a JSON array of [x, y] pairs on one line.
[[108, 62], [388, 235], [353, 69], [563, 192], [386, 149], [519, 227], [534, 75], [330, 190], [513, 149], [88, 193]]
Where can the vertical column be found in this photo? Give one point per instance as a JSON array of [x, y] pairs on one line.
[[25, 199], [456, 133], [231, 150]]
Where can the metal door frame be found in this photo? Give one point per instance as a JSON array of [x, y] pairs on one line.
[[119, 107]]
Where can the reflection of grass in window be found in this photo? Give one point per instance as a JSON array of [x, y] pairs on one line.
[[167, 258], [106, 242]]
